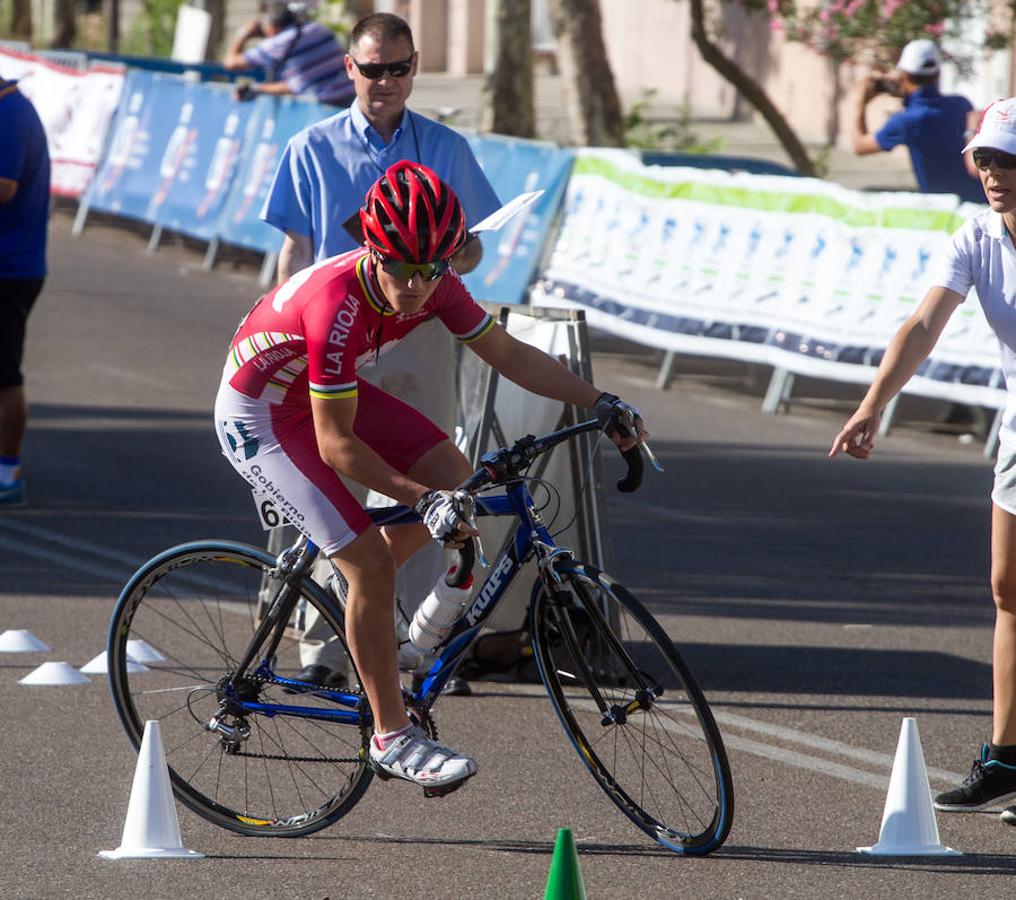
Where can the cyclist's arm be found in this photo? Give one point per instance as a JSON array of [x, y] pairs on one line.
[[350, 456], [909, 347], [533, 369]]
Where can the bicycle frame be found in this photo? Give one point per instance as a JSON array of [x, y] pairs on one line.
[[530, 536]]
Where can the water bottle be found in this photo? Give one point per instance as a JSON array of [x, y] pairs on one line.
[[438, 612]]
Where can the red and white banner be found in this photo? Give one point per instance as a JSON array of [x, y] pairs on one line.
[[75, 108]]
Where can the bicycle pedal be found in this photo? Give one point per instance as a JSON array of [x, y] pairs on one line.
[[445, 789]]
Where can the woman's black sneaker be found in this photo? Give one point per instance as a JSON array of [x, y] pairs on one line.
[[989, 783]]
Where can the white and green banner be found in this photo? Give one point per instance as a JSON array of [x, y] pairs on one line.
[[797, 273]]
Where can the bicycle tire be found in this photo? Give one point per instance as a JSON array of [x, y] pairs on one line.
[[664, 767], [196, 605]]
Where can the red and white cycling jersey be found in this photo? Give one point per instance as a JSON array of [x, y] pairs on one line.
[[309, 336]]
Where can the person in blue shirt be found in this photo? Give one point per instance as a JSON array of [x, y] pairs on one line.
[[934, 127], [323, 176], [24, 216]]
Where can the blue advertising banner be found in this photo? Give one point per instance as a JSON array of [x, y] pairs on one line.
[[128, 176], [511, 255], [199, 163], [274, 121]]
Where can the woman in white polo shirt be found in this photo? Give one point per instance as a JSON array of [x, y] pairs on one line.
[[982, 255]]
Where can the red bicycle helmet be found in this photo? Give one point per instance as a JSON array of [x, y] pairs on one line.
[[412, 215]]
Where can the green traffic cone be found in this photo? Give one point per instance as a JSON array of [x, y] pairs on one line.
[[564, 881]]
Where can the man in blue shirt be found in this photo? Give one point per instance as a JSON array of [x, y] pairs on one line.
[[323, 176], [933, 127], [24, 215]]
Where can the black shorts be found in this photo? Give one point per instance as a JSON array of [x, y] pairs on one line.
[[16, 298]]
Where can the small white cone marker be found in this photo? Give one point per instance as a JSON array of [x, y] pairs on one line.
[[20, 641], [55, 673], [151, 829], [100, 666], [908, 822], [143, 652]]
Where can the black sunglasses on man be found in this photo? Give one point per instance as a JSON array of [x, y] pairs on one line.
[[374, 71]]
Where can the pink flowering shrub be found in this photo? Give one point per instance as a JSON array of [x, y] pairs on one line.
[[874, 31]]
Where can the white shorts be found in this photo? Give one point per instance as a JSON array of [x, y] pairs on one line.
[[1003, 493], [275, 450]]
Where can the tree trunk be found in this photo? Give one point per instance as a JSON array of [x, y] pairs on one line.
[[21, 20], [217, 10], [594, 109], [66, 28], [751, 90], [508, 90]]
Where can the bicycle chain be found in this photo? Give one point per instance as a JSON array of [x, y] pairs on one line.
[[426, 720]]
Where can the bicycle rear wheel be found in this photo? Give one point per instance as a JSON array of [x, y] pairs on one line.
[[196, 609], [634, 712]]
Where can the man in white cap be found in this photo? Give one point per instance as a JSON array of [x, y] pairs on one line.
[[933, 127]]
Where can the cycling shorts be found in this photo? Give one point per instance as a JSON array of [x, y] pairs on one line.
[[274, 448]]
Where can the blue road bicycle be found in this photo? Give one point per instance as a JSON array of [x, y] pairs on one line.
[[253, 750]]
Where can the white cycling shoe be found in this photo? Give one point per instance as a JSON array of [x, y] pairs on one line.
[[415, 757]]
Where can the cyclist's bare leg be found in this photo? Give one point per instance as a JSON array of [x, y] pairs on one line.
[[370, 625], [442, 467]]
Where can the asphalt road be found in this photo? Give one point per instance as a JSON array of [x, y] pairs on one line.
[[819, 603]]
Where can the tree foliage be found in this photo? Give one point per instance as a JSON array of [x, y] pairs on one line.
[[870, 32], [874, 31]]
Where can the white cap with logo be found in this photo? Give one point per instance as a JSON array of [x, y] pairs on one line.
[[997, 128], [920, 57]]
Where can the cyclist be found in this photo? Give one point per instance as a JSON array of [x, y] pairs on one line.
[[293, 418]]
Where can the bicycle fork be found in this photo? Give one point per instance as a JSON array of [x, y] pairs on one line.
[[564, 594]]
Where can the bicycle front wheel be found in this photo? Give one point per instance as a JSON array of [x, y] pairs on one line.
[[189, 615], [633, 711]]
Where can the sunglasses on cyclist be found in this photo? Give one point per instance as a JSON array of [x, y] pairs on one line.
[[404, 271], [984, 158], [374, 71]]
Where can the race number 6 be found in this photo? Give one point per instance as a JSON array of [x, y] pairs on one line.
[[269, 514]]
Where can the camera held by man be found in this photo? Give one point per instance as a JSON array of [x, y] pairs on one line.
[[933, 126]]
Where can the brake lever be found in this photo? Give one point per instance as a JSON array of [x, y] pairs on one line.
[[467, 506], [629, 420]]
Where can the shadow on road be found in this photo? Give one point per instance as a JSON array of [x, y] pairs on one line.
[[968, 864]]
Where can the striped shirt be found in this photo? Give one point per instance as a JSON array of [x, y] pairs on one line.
[[313, 64]]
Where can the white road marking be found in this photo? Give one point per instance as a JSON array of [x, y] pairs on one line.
[[882, 760], [61, 559], [63, 541]]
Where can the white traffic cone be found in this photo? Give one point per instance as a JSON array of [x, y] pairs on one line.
[[151, 829], [908, 822]]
